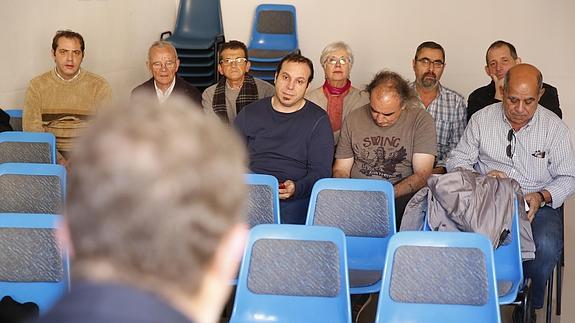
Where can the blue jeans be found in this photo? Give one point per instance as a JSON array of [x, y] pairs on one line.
[[547, 227], [294, 211]]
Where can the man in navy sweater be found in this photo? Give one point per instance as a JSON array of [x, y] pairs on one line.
[[289, 137]]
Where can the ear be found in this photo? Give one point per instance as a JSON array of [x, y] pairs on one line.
[[248, 65], [63, 237], [541, 94], [518, 60], [177, 64], [487, 71], [53, 52], [220, 69], [149, 66], [229, 253], [413, 62]]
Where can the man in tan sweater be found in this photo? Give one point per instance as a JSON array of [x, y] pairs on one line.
[[61, 101]]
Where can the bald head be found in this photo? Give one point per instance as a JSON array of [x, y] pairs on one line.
[[523, 73], [522, 89]]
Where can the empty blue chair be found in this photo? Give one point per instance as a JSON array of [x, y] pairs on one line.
[[263, 199], [197, 34], [438, 277], [15, 118], [274, 35], [365, 210], [293, 273], [35, 266], [32, 188], [27, 147]]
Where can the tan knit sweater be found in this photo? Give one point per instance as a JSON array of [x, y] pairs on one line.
[[63, 107]]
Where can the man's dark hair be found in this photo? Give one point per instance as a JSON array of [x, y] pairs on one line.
[[501, 43], [431, 45], [233, 44], [297, 58], [393, 81], [67, 34]]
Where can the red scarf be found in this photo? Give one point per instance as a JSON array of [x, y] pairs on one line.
[[335, 96]]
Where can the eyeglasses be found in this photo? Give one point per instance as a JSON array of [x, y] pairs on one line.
[[511, 148], [230, 61], [426, 62], [158, 65], [341, 60]]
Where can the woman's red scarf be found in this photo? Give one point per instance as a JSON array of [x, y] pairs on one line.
[[335, 96]]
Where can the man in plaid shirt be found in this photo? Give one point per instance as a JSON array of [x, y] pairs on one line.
[[446, 106]]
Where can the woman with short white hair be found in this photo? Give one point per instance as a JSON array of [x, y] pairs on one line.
[[336, 95]]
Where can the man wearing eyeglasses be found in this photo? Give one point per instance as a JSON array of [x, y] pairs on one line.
[[236, 88], [519, 139], [62, 100], [163, 63], [500, 57], [446, 106]]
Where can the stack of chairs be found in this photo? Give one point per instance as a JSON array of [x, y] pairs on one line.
[[35, 265], [274, 35], [197, 36]]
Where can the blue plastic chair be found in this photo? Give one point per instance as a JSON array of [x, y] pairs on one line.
[[32, 188], [43, 284], [27, 147], [438, 277], [274, 35], [197, 35], [365, 210], [15, 118], [508, 264], [293, 273], [263, 202]]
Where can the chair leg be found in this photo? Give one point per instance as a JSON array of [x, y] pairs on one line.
[[559, 273], [549, 297]]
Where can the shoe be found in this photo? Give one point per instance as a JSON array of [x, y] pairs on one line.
[[518, 315]]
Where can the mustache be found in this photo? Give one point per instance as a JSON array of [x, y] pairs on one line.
[[430, 74]]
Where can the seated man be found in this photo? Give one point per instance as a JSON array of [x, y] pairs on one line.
[[163, 63], [289, 137], [236, 88], [517, 138], [154, 218], [500, 57], [62, 100], [446, 106], [391, 138]]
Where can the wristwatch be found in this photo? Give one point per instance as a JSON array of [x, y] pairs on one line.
[[542, 199]]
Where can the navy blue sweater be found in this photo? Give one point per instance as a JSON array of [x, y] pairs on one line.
[[297, 146]]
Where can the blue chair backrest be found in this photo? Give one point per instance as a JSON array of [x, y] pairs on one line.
[[438, 277], [15, 118], [32, 188], [274, 28], [293, 273], [27, 147], [364, 209], [508, 264], [263, 199], [199, 19], [35, 267]]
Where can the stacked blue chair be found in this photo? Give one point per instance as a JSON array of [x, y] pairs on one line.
[[32, 188], [15, 118], [293, 273], [274, 35], [35, 267], [197, 36], [263, 199], [438, 277], [365, 210], [27, 147]]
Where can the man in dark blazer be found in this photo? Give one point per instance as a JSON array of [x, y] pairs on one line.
[[500, 57], [163, 63]]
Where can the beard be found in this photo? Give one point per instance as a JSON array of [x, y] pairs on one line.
[[429, 80]]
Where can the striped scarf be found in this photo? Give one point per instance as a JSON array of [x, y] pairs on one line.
[[248, 94]]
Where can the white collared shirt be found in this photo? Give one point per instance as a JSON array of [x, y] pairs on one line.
[[65, 80], [163, 96]]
